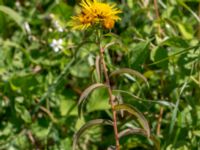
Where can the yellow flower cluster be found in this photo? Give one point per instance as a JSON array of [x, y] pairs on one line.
[[95, 12]]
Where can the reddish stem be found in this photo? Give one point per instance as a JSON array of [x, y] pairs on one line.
[[110, 97]]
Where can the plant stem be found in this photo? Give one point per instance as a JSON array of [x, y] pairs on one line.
[[157, 16], [199, 23], [111, 99], [159, 121]]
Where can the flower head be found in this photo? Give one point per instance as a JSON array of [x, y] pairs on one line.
[[95, 12]]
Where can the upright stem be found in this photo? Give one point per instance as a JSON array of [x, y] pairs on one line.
[[157, 16], [199, 23], [111, 99]]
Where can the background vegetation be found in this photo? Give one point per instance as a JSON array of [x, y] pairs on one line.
[[45, 66]]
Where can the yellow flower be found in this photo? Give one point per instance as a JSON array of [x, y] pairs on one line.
[[95, 12]]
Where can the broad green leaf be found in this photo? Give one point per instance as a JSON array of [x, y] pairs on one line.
[[158, 54], [131, 72], [175, 42], [99, 100], [85, 94], [180, 52], [132, 110], [68, 107], [13, 14], [81, 70], [138, 54], [87, 126]]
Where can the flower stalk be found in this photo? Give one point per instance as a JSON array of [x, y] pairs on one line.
[[111, 97]]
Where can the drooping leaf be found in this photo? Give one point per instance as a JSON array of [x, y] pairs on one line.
[[161, 102], [87, 126], [132, 110], [13, 14], [140, 132], [85, 94], [132, 131], [131, 72]]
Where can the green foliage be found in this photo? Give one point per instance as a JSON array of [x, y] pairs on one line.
[[49, 71]]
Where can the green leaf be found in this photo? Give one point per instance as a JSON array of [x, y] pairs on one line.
[[68, 107], [158, 54], [81, 70], [14, 15], [196, 133], [161, 102], [99, 100], [138, 54], [175, 42], [186, 34], [132, 110], [87, 126], [131, 72], [23, 112]]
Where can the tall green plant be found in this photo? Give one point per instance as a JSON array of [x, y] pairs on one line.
[[100, 16]]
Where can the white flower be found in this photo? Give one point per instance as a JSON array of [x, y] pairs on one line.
[[58, 26], [57, 45]]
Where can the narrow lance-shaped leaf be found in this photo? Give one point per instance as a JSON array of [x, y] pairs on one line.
[[140, 132], [85, 94], [87, 126], [132, 110], [161, 102], [132, 131], [131, 72]]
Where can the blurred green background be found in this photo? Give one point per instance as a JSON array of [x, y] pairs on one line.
[[45, 66]]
